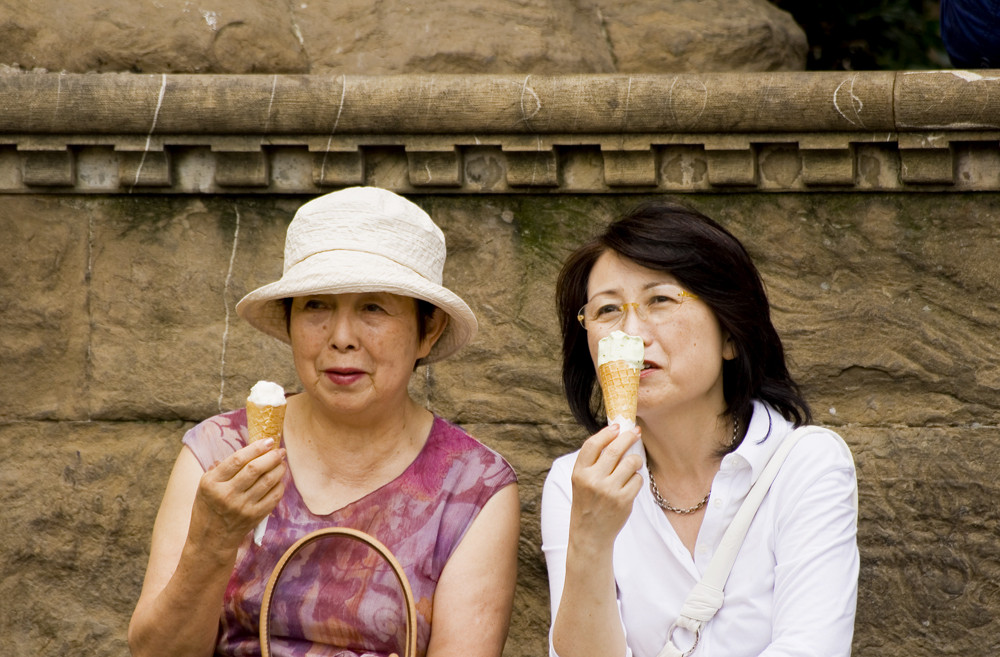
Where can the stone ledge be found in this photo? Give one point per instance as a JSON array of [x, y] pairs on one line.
[[189, 134]]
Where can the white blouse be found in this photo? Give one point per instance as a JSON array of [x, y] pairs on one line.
[[793, 588]]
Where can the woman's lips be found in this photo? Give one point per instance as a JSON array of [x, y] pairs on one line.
[[343, 377], [647, 368]]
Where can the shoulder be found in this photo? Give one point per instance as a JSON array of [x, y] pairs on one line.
[[228, 426], [815, 448], [818, 472], [215, 438], [462, 455], [819, 448]]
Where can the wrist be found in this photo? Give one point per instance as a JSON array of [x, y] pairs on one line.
[[589, 554], [210, 548]]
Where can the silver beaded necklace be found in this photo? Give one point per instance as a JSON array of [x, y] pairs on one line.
[[666, 506]]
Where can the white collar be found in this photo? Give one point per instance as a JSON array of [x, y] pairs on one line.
[[766, 431]]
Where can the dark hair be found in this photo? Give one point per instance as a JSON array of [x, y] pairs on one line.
[[710, 262], [425, 311]]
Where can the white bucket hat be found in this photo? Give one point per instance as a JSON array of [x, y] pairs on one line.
[[362, 239]]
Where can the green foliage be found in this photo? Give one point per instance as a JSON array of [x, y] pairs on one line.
[[859, 35]]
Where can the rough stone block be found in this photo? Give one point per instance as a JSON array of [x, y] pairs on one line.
[[532, 168], [208, 258], [728, 168], [780, 167], [434, 169], [48, 168], [827, 167], [79, 501], [249, 169], [144, 169], [339, 168], [877, 167], [927, 166], [45, 309], [927, 537], [629, 168]]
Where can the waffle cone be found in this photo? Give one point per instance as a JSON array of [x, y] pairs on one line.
[[265, 422], [620, 387]]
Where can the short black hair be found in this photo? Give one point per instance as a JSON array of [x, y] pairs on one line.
[[710, 262]]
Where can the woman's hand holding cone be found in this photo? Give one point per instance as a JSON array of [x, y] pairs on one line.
[[605, 481], [236, 494]]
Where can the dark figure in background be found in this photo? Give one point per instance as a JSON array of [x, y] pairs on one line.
[[971, 32]]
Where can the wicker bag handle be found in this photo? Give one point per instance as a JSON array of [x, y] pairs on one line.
[[411, 609]]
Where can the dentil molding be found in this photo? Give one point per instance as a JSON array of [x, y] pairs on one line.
[[482, 134]]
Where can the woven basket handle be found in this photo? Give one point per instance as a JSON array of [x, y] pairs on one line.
[[404, 584]]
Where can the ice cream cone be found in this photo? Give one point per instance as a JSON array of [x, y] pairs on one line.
[[619, 364], [620, 386], [265, 422], [265, 419]]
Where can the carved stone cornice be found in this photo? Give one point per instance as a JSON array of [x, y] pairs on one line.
[[274, 134]]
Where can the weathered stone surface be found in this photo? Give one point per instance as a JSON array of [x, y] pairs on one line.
[[228, 36], [930, 573], [197, 356], [887, 304], [44, 334], [393, 36], [78, 498], [701, 36]]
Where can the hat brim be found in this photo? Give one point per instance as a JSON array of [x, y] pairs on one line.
[[338, 272]]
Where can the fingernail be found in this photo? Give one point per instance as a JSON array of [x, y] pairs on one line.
[[269, 442]]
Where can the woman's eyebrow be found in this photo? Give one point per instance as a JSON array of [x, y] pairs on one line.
[[651, 285], [647, 286]]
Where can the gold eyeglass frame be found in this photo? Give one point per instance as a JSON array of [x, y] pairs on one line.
[[623, 307]]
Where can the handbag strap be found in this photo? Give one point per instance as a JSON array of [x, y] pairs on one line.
[[410, 649], [707, 596]]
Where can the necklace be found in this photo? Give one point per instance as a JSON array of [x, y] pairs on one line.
[[666, 506]]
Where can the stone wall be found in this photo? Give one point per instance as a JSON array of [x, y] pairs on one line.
[[378, 37], [139, 208]]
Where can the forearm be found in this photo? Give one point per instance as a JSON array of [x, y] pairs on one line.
[[588, 622], [183, 618]]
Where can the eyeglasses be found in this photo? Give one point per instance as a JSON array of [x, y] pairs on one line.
[[659, 304]]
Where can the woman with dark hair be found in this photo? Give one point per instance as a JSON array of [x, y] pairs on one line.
[[631, 521]]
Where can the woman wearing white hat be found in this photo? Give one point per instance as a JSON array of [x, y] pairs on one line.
[[361, 304]]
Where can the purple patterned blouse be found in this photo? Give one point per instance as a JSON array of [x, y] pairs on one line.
[[337, 596]]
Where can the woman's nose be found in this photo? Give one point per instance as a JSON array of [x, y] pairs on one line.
[[343, 335], [632, 319]]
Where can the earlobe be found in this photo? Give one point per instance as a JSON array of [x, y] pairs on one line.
[[728, 348]]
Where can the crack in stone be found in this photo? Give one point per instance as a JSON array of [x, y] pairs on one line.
[[149, 136], [333, 131], [225, 302]]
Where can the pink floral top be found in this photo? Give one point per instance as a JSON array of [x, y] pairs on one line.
[[337, 596]]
